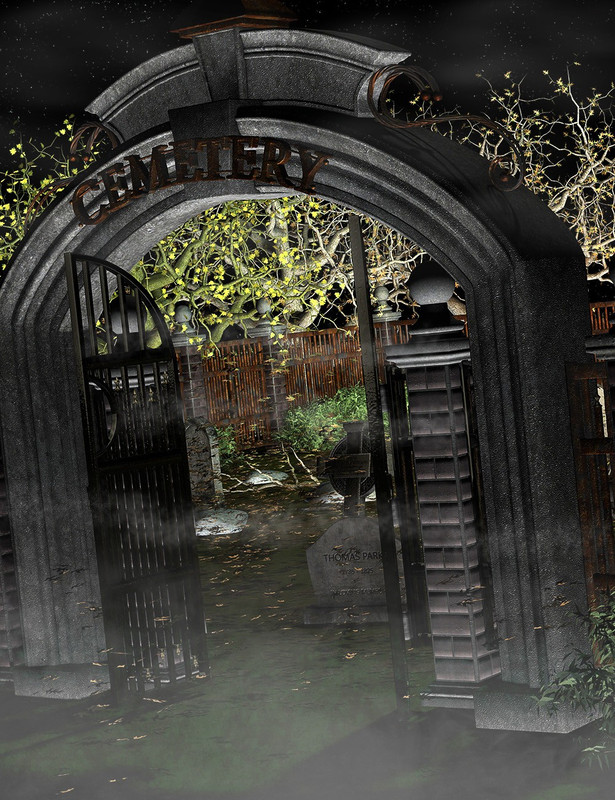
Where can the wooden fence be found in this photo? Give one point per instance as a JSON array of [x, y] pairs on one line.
[[249, 383], [600, 314], [235, 388], [321, 362]]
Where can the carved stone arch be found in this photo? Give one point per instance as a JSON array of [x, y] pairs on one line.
[[522, 270]]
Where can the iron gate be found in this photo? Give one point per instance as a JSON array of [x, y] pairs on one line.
[[138, 479], [407, 505]]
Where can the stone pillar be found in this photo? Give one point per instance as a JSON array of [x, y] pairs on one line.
[[433, 365], [201, 438], [383, 317], [203, 461], [275, 377], [11, 643], [190, 361], [276, 384]]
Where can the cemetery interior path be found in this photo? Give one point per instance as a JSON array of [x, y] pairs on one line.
[[292, 712]]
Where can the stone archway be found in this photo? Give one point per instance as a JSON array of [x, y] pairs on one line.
[[522, 270]]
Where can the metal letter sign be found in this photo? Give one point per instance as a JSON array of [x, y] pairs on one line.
[[248, 158], [138, 479]]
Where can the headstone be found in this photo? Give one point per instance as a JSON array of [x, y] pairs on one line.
[[345, 566], [348, 467]]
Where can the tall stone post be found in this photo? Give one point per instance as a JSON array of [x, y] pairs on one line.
[[190, 364], [275, 376], [191, 377], [276, 384], [11, 642], [201, 437], [435, 364]]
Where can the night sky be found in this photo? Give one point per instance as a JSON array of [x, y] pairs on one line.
[[57, 55]]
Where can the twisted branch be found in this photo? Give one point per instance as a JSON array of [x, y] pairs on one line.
[[501, 176], [94, 128]]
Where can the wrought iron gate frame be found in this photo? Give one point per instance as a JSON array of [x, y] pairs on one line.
[[128, 636]]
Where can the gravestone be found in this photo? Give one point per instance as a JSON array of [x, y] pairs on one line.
[[348, 467], [345, 566]]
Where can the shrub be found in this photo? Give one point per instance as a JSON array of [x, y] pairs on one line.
[[316, 426], [227, 445], [588, 682]]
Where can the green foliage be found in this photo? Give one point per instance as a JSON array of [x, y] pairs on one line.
[[318, 425], [293, 253], [349, 403], [227, 445], [31, 183], [588, 682]]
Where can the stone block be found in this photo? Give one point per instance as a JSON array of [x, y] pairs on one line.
[[434, 401], [439, 535], [455, 669], [61, 682], [203, 460], [510, 707]]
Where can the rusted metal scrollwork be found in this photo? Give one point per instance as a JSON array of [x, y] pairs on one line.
[[378, 91], [94, 128]]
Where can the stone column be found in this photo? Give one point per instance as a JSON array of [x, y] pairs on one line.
[[191, 377], [11, 649], [190, 364], [383, 317], [276, 384], [275, 376], [433, 363]]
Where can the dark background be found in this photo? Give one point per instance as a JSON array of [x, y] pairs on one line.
[[57, 56]]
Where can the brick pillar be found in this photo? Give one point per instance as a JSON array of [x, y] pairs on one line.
[[447, 497], [275, 375], [191, 377]]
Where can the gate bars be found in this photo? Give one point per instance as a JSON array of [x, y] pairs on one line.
[[138, 479], [379, 463]]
